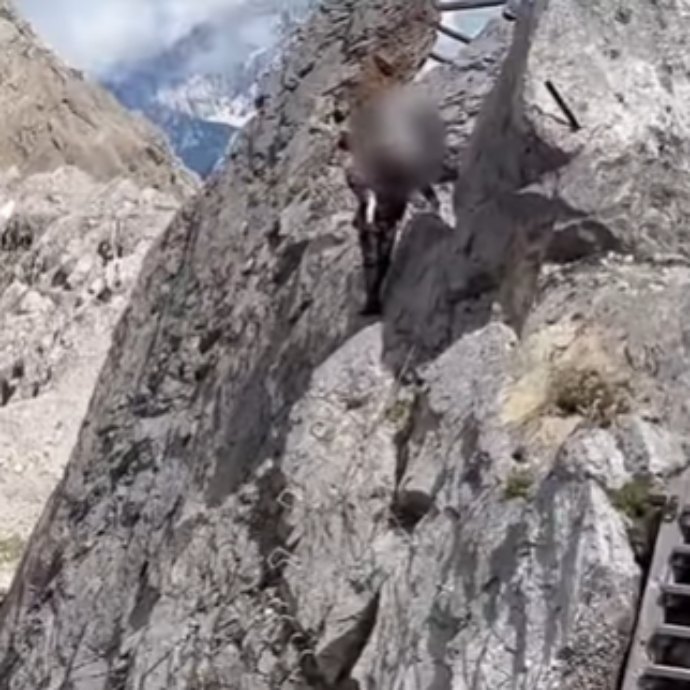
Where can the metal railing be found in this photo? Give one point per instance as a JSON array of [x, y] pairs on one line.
[[510, 12], [453, 6]]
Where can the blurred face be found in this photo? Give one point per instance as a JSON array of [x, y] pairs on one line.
[[391, 129]]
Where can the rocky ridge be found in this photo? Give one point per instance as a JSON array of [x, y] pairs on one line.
[[270, 492], [85, 188]]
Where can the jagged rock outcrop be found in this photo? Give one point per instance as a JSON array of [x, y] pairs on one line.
[[85, 188], [270, 492]]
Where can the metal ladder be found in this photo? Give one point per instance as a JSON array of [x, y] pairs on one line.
[[664, 614], [510, 9]]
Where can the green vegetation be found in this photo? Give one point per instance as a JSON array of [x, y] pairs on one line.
[[638, 501], [399, 414], [587, 392], [11, 549], [635, 499], [518, 484]]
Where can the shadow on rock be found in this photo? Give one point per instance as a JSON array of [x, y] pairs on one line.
[[445, 283], [421, 292]]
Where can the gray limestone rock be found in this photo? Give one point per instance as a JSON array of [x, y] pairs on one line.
[[78, 212], [270, 492]]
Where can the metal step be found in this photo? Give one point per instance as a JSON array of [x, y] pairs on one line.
[[440, 58], [458, 5], [674, 589], [681, 550], [453, 6], [679, 631], [656, 671], [454, 34], [510, 13], [643, 670]]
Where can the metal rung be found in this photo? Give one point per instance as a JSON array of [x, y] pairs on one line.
[[440, 58], [452, 33], [641, 671], [667, 672], [456, 5], [680, 631], [681, 550], [675, 589]]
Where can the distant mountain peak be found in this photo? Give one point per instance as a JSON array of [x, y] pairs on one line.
[[200, 91]]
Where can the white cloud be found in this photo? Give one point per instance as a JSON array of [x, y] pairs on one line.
[[93, 35]]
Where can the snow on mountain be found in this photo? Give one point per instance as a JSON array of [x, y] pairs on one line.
[[201, 90], [208, 97]]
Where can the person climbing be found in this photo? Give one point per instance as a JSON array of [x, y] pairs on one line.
[[396, 142], [376, 220]]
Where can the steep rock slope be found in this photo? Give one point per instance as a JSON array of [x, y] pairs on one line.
[[84, 189], [269, 492]]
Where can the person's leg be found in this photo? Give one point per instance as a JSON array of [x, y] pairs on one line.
[[367, 228], [364, 196], [376, 221], [370, 250], [390, 210], [386, 228], [431, 197]]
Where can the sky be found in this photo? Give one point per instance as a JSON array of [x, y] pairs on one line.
[[93, 35]]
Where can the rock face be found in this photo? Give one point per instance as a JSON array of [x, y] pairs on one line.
[[85, 188], [270, 492]]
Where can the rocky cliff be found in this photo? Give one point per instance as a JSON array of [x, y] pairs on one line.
[[84, 190], [270, 492]]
